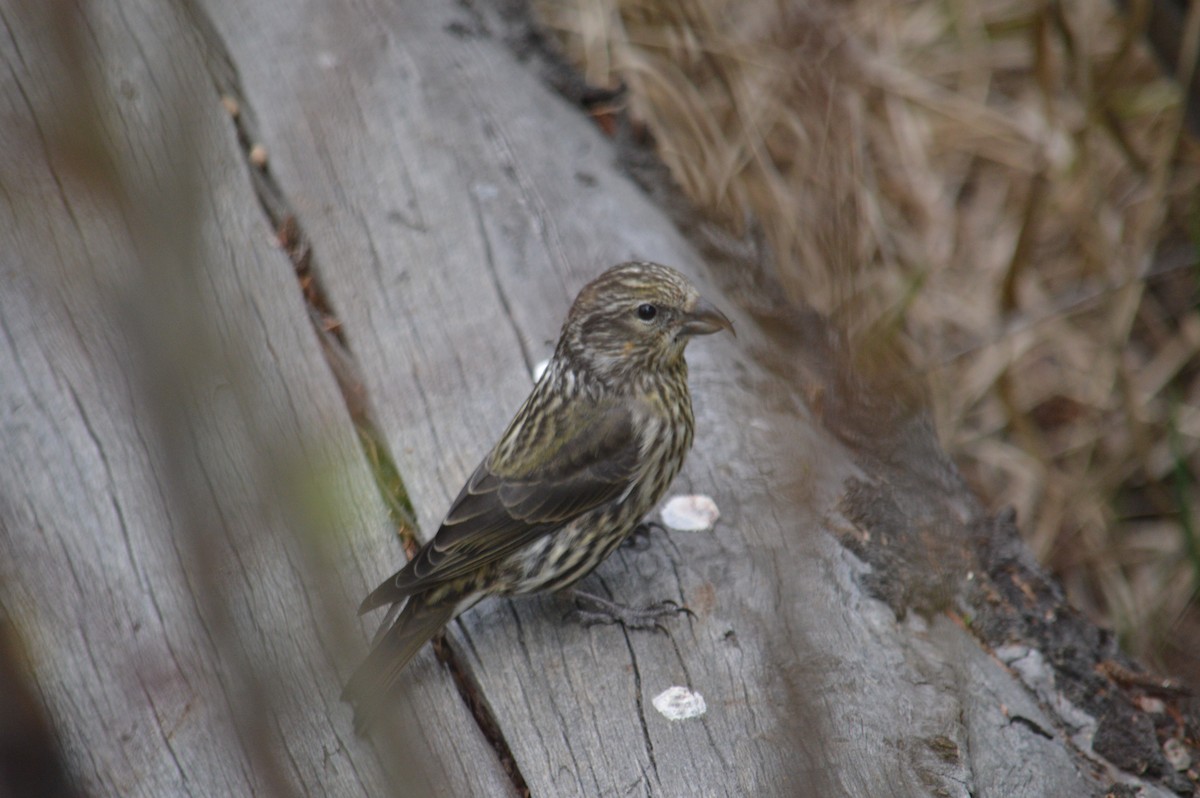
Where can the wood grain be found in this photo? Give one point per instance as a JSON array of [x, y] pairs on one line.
[[168, 424], [455, 206], [165, 414]]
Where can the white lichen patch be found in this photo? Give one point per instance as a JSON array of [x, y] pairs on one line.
[[679, 703], [694, 513], [1177, 754]]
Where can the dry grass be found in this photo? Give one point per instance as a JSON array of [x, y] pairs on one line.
[[1006, 186]]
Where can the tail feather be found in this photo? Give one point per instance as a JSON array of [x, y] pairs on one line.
[[395, 589], [374, 679]]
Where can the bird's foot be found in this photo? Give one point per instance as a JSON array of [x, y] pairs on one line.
[[639, 538], [591, 610]]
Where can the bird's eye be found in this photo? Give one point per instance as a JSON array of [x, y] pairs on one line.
[[647, 312]]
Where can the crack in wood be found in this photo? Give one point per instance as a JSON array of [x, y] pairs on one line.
[[637, 690], [490, 262], [641, 704], [293, 240], [1032, 725]]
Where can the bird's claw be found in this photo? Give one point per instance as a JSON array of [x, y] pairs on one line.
[[603, 611]]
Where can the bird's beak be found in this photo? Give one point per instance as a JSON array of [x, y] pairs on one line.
[[704, 319]]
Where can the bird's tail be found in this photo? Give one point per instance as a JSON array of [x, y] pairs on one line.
[[374, 679]]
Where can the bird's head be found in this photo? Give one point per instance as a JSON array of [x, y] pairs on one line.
[[634, 318]]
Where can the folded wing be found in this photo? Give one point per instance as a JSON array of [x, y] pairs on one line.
[[547, 480]]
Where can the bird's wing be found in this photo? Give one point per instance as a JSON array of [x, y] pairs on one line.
[[546, 481]]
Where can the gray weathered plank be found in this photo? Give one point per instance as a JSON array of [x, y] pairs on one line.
[[179, 469], [455, 207], [436, 230]]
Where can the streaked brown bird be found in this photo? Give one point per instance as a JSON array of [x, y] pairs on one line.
[[591, 451]]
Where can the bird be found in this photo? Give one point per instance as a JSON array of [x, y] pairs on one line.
[[593, 449]]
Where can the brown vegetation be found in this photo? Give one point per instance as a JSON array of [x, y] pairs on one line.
[[1003, 187]]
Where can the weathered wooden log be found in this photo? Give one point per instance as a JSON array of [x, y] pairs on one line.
[[861, 628], [163, 400]]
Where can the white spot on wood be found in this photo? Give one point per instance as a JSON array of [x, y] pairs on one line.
[[690, 513], [539, 369], [679, 703]]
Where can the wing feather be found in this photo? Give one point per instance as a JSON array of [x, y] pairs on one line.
[[544, 483]]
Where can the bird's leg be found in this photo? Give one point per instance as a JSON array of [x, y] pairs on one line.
[[591, 610], [639, 538]]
